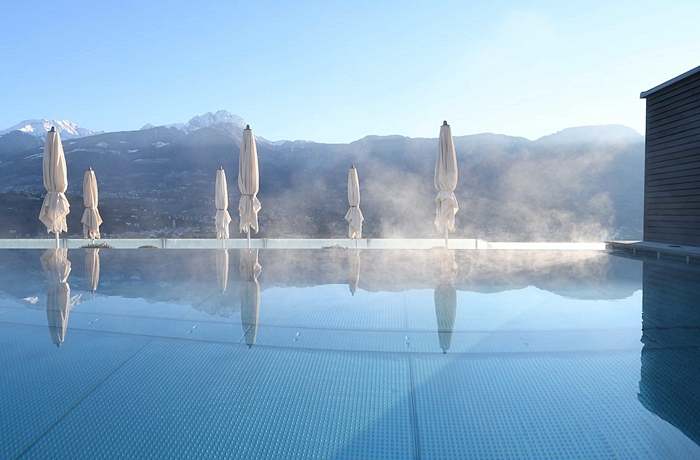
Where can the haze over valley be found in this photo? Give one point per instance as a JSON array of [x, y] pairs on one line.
[[580, 184]]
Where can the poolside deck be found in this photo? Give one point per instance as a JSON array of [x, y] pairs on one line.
[[660, 251]]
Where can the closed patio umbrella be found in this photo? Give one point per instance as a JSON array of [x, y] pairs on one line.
[[445, 182], [354, 215], [57, 268], [223, 218], [55, 207], [91, 217], [248, 183], [445, 297], [92, 268], [250, 268]]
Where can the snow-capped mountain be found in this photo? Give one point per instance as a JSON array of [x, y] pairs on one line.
[[225, 121], [39, 127], [222, 117]]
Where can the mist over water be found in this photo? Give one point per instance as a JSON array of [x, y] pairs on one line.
[[583, 184]]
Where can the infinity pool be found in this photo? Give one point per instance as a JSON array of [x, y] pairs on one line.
[[343, 354]]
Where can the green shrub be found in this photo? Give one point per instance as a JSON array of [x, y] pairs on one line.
[[97, 246]]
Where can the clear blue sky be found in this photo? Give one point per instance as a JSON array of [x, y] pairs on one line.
[[336, 71]]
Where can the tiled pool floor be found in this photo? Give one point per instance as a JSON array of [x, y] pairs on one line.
[[548, 355]]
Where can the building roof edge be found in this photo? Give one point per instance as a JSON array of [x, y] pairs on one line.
[[668, 83]]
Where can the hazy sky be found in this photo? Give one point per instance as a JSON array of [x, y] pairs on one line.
[[336, 71]]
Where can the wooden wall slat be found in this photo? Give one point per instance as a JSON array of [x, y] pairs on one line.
[[670, 172], [663, 122], [678, 195], [680, 228], [657, 151], [685, 122], [675, 209], [675, 159], [674, 96], [670, 110], [656, 104], [666, 214], [671, 238], [685, 186], [663, 219], [682, 138], [670, 91], [675, 201]]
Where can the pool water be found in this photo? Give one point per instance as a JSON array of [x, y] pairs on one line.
[[344, 354]]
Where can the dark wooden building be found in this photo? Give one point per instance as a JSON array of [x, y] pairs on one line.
[[672, 161]]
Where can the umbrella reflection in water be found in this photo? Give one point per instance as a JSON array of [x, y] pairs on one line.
[[445, 297], [222, 269], [92, 268], [250, 269], [354, 271], [57, 268]]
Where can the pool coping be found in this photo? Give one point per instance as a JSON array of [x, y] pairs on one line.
[[307, 243]]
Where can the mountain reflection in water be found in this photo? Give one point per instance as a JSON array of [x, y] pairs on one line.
[[200, 279]]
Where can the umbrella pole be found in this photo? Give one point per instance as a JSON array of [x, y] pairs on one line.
[[355, 243], [56, 233], [248, 232], [445, 237]]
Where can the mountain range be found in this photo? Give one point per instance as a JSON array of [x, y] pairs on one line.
[[583, 183]]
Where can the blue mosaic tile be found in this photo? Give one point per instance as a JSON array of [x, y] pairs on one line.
[[41, 382], [542, 406], [229, 401]]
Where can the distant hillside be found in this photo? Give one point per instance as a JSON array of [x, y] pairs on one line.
[[579, 184]]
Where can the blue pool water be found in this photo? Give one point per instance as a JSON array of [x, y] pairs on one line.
[[344, 354]]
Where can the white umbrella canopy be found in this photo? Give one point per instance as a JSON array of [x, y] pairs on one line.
[[446, 182], [92, 268], [55, 207], [354, 215], [250, 269], [57, 268], [223, 218], [248, 183], [91, 217]]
